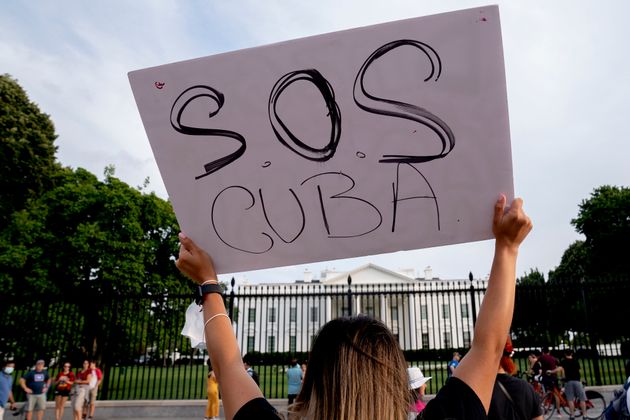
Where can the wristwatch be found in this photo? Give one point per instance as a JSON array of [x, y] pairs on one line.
[[207, 289]]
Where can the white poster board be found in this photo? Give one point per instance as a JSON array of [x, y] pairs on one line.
[[366, 141]]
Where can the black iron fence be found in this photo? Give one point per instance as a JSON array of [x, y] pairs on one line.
[[138, 344]]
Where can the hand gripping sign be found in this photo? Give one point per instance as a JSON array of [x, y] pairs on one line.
[[366, 141]]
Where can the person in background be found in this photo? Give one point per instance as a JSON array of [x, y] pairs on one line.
[[95, 382], [573, 387], [212, 408], [513, 398], [6, 386], [549, 364], [303, 370], [35, 384], [82, 388], [452, 365], [294, 379], [251, 372], [417, 388], [356, 368], [63, 385]]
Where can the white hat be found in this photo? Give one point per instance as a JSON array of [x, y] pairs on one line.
[[416, 378]]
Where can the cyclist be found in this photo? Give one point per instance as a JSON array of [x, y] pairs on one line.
[[534, 371], [573, 387], [550, 380]]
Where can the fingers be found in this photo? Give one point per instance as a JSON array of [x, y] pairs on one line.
[[499, 208], [517, 204], [186, 242]]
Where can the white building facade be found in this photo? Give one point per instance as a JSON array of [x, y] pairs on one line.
[[425, 313]]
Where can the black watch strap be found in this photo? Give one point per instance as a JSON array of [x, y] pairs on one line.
[[207, 289]]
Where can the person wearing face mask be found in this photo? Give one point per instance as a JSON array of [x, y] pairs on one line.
[[6, 384]]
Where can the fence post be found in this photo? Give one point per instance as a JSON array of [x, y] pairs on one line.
[[592, 337], [349, 296], [472, 298], [231, 304]]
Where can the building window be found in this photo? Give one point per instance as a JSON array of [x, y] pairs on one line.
[[424, 312], [446, 311], [447, 340], [313, 338], [271, 344], [466, 337], [314, 314], [464, 310], [425, 340], [394, 313], [292, 314], [271, 315], [292, 344], [251, 316], [250, 343]]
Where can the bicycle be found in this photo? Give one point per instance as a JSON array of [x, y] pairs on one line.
[[595, 404]]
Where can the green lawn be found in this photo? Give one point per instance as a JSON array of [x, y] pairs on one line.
[[189, 382]]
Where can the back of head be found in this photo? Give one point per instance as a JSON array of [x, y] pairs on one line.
[[506, 362], [356, 371]]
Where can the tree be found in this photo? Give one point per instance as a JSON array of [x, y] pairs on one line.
[[534, 277], [604, 219], [574, 264], [27, 150], [92, 242]]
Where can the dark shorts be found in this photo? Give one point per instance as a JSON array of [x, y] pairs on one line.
[[62, 392]]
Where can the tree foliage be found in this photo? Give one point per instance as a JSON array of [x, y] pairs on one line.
[[70, 242], [27, 150], [604, 219], [534, 277]]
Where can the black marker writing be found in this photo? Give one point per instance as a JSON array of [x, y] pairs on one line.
[[342, 196], [397, 199], [214, 226], [376, 105], [285, 136], [262, 202], [179, 106]]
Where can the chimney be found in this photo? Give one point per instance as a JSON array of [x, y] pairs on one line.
[[308, 276], [428, 273]]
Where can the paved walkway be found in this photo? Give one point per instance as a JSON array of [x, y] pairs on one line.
[[186, 409]]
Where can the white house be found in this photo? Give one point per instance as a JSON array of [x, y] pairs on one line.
[[422, 312]]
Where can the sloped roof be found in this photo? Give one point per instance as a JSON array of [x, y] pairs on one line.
[[369, 274]]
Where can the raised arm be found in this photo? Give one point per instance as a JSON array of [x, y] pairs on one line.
[[237, 387], [478, 368]]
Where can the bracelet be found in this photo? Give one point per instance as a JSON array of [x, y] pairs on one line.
[[210, 282], [214, 316]]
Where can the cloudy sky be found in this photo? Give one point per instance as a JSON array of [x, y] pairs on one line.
[[568, 77]]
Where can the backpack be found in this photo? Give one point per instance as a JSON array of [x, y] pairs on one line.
[[618, 408]]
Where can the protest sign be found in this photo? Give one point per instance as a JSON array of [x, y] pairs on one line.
[[365, 141]]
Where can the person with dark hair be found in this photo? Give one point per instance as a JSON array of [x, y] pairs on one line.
[[356, 369], [251, 372], [63, 385], [573, 387], [513, 398], [534, 368], [294, 380], [35, 384], [6, 386]]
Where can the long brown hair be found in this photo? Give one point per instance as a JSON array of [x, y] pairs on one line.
[[356, 370]]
